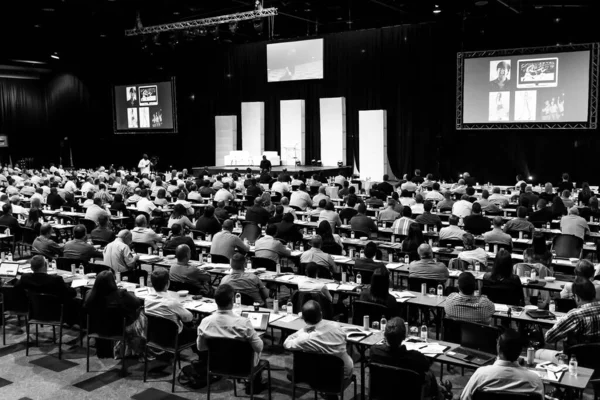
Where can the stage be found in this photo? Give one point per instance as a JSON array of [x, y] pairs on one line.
[[308, 169]]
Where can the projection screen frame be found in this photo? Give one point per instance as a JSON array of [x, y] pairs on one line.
[[591, 123], [174, 130]]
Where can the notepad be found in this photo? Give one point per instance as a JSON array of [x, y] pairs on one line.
[[501, 307], [289, 318], [341, 259], [206, 307], [332, 286], [79, 283], [346, 287]]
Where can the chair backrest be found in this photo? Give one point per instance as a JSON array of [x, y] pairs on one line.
[[100, 242], [300, 298], [95, 268], [165, 231], [247, 300], [89, 224], [64, 264], [479, 336], [45, 307], [14, 300], [177, 286], [198, 234], [332, 248], [565, 305], [28, 235], [373, 310], [567, 246], [250, 231], [108, 321], [322, 372], [460, 264], [365, 274], [219, 259], [414, 284], [495, 247], [482, 394], [359, 234], [141, 248], [230, 357], [384, 381], [501, 295], [162, 332], [261, 262]]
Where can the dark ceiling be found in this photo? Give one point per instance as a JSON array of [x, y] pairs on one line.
[[35, 29]]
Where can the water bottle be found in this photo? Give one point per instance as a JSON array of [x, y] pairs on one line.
[[160, 252], [289, 307], [249, 264], [7, 231], [406, 259], [9, 256], [344, 277], [383, 323], [118, 276], [362, 253], [487, 247], [352, 235], [533, 275], [552, 306], [548, 225], [573, 366], [301, 247], [424, 332], [238, 300], [53, 265], [278, 268], [275, 304], [440, 290], [209, 258], [358, 279], [477, 266]]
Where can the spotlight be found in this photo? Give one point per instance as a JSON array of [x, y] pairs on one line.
[[340, 164], [55, 56], [530, 177], [298, 163], [436, 9]]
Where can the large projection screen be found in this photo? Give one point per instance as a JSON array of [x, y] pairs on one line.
[[295, 61], [533, 88]]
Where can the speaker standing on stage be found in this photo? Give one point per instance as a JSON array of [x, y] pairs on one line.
[[144, 165], [265, 164]]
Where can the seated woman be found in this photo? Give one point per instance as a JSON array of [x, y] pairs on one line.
[[35, 219], [161, 199], [70, 200], [179, 216], [501, 285], [558, 208], [332, 243], [379, 291], [538, 251], [118, 204], [585, 194], [105, 294], [413, 240]]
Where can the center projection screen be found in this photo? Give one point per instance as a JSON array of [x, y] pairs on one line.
[[527, 89]]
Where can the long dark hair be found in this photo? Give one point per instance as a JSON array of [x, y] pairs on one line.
[[414, 238], [324, 229], [380, 286], [538, 243], [558, 207], [178, 211], [105, 284], [503, 267]]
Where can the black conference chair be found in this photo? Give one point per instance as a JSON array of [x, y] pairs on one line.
[[261, 262], [588, 356], [384, 381], [414, 284], [177, 286], [28, 235], [471, 334], [14, 303], [567, 246], [373, 310], [300, 298], [234, 359], [218, 259], [64, 264], [250, 231], [89, 224], [323, 373], [503, 296], [106, 324], [45, 309], [505, 395], [163, 335], [141, 248]]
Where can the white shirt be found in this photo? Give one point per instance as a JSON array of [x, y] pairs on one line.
[[462, 208], [87, 187], [144, 166], [145, 205], [223, 195], [434, 195], [70, 187], [417, 208], [340, 180], [280, 187]]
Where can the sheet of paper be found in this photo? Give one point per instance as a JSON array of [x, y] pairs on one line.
[[501, 307], [401, 295], [341, 259], [275, 317], [207, 307], [433, 348], [78, 283], [346, 287], [289, 318], [393, 266], [332, 286]]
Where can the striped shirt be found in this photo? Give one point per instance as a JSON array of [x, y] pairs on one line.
[[401, 225], [469, 308], [582, 325]]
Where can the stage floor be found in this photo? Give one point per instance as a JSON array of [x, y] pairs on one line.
[[328, 171]]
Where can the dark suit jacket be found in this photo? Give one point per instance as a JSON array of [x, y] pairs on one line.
[[400, 357], [562, 186], [44, 283], [258, 214], [347, 214], [54, 201], [177, 240], [544, 215], [254, 191], [477, 224], [288, 232], [386, 188], [13, 224], [208, 225], [367, 264]]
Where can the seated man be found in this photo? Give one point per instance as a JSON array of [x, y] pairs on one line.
[[580, 325], [497, 235], [427, 218], [44, 245], [144, 203], [95, 210], [300, 198], [318, 256], [9, 221], [360, 222], [452, 231], [566, 199], [434, 195], [322, 195], [465, 305], [476, 223], [406, 198], [161, 304], [573, 224], [257, 213], [225, 242], [313, 285], [223, 194], [330, 216], [118, 256], [320, 207], [287, 230], [320, 336], [389, 214], [142, 234], [224, 323], [462, 208], [447, 203], [190, 274], [392, 352], [243, 282], [221, 211], [348, 211], [78, 248], [505, 374], [427, 267], [401, 225], [472, 253], [520, 224], [278, 217], [497, 198], [368, 262], [543, 214], [102, 231], [208, 223], [285, 203], [584, 269], [269, 247], [178, 238], [418, 208], [40, 282]]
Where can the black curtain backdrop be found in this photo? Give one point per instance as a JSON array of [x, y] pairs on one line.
[[409, 70]]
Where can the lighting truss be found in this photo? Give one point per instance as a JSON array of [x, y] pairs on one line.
[[196, 23], [591, 123]]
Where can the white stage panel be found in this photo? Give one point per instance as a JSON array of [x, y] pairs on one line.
[[293, 130], [372, 142], [225, 137], [333, 131], [253, 130]]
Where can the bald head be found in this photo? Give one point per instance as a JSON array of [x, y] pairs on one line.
[[228, 225], [140, 221], [311, 312], [497, 221], [183, 253], [424, 251], [125, 236], [573, 211]]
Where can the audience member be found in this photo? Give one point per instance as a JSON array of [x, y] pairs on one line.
[[245, 283]]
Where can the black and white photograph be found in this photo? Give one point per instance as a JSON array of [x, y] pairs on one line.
[[499, 106], [500, 74], [132, 96], [144, 117], [538, 73], [148, 95], [132, 118], [525, 105], [157, 119]]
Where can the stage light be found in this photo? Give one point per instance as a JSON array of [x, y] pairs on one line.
[[313, 162], [530, 177], [55, 56], [340, 164], [436, 9], [460, 175], [319, 163], [298, 163]]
